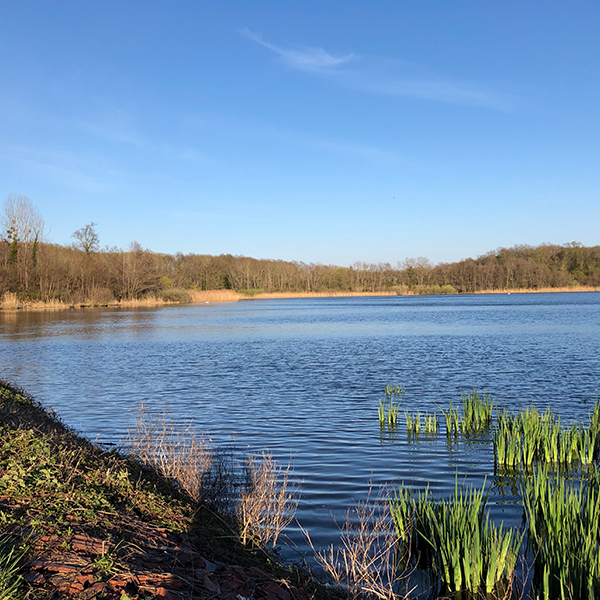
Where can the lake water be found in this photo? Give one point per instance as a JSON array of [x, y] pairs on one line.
[[303, 378]]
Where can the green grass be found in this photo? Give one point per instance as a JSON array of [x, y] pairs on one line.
[[452, 420], [418, 423], [477, 412]]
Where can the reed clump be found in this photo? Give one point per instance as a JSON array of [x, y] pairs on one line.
[[418, 423], [564, 535], [477, 412], [452, 420], [529, 437], [456, 539], [389, 407]]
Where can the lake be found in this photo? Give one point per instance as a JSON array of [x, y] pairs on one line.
[[303, 378]]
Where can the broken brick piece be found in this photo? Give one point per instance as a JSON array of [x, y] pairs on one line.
[[166, 594], [90, 545]]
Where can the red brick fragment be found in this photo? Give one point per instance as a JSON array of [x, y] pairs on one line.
[[272, 589], [89, 578], [90, 545], [117, 584], [210, 585], [48, 539], [237, 586], [166, 594], [302, 593], [61, 583], [53, 567]]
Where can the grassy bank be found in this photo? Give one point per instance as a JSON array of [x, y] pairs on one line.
[[77, 521]]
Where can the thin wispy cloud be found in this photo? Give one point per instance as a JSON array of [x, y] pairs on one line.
[[301, 57], [374, 76]]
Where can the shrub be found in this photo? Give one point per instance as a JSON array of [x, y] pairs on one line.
[[176, 295]]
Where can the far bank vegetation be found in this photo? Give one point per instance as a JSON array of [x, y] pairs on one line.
[[36, 271]]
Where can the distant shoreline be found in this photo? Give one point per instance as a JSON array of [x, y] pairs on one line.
[[224, 296]]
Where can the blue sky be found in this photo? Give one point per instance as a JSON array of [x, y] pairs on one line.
[[319, 131]]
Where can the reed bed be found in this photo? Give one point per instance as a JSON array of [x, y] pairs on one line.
[[564, 535], [209, 296], [529, 438], [541, 290], [455, 538]]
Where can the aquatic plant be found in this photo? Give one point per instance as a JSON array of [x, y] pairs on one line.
[[452, 419], [530, 438], [564, 534], [393, 390], [456, 539], [477, 412], [417, 423], [389, 410]]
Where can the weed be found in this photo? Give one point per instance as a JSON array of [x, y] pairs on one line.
[[388, 409]]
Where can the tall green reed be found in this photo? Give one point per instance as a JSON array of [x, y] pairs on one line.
[[456, 539], [477, 412], [389, 410], [564, 535], [418, 423], [530, 438]]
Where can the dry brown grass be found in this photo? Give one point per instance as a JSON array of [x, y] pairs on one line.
[[10, 302], [274, 295], [255, 494], [178, 454], [546, 290], [365, 565], [268, 502], [209, 296]]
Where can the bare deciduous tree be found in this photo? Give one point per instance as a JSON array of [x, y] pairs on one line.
[[87, 238], [22, 221]]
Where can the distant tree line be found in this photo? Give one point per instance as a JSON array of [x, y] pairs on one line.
[[84, 273]]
